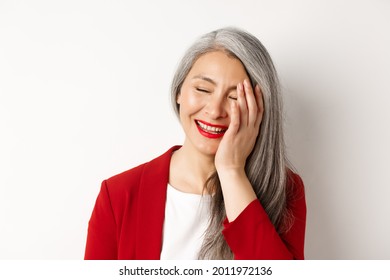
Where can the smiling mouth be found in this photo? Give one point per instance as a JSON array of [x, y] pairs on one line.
[[210, 131]]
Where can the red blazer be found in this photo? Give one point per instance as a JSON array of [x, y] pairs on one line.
[[128, 217]]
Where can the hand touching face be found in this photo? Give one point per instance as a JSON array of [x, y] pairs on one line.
[[245, 119]]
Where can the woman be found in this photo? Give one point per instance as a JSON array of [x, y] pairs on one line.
[[227, 192]]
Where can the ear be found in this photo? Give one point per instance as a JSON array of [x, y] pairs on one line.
[[178, 98]]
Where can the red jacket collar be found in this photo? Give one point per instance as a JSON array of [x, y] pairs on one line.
[[151, 206]]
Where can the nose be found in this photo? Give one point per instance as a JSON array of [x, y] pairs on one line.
[[216, 108]]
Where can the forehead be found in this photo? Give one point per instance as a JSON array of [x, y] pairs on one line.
[[218, 64]]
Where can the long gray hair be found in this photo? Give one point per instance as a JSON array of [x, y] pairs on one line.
[[266, 166]]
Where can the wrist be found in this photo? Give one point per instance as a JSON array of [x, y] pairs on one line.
[[231, 173], [237, 191]]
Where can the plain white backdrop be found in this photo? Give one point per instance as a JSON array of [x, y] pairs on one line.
[[84, 94]]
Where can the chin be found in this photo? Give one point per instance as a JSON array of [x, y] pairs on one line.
[[208, 149], [203, 145]]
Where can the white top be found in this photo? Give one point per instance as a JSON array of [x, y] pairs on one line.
[[186, 220]]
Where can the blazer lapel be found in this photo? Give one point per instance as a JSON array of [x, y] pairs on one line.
[[151, 206]]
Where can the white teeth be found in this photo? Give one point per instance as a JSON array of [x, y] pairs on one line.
[[210, 128]]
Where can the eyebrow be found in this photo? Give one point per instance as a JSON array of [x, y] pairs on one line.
[[204, 78], [207, 79]]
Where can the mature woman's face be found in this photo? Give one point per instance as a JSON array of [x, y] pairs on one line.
[[205, 99]]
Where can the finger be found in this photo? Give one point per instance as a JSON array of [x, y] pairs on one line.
[[252, 103], [260, 105], [234, 118], [242, 105]]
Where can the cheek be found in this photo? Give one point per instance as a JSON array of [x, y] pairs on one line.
[[190, 103]]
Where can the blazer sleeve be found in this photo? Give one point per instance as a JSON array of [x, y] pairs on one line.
[[253, 236], [102, 238]]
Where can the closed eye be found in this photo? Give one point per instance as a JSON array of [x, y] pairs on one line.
[[202, 90], [233, 97]]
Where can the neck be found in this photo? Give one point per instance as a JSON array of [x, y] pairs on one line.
[[190, 169]]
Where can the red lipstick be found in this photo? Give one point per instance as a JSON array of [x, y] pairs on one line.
[[209, 130]]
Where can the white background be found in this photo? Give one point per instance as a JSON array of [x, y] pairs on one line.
[[84, 94]]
